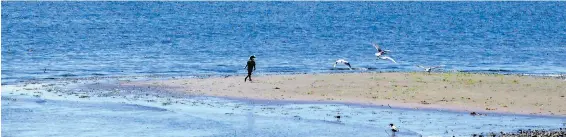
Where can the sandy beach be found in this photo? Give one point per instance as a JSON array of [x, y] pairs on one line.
[[449, 91]]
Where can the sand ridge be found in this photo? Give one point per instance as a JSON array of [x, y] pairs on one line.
[[453, 91]]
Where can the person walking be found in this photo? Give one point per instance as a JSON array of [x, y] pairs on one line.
[[251, 67]]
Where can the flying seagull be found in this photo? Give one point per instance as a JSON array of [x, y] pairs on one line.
[[380, 54], [342, 61], [379, 50]]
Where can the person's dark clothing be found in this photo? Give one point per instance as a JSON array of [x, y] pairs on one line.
[[251, 65]]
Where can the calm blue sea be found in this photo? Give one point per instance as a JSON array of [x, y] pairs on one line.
[[45, 40]]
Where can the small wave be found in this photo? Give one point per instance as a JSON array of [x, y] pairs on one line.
[[97, 74], [499, 70], [281, 71], [342, 69], [353, 69], [40, 101], [490, 71], [136, 106], [227, 71], [392, 67], [372, 68], [220, 70], [68, 75], [222, 65]]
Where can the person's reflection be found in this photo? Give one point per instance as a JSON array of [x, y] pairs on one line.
[[251, 120]]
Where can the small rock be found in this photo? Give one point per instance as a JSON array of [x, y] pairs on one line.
[[277, 88]]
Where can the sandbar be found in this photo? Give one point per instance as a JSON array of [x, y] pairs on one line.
[[415, 90]]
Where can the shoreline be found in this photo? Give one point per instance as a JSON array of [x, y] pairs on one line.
[[394, 105], [145, 77], [461, 92]]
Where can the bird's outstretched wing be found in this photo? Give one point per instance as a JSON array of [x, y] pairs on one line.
[[421, 66], [376, 46], [389, 58]]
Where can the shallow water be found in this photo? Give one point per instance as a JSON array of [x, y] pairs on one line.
[[67, 109], [84, 39]]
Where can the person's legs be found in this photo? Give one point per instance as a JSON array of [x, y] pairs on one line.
[[250, 74], [246, 78]]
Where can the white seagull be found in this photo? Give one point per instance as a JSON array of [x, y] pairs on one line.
[[342, 61], [379, 50], [380, 54], [428, 69]]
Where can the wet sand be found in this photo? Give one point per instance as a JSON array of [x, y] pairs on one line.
[[529, 133], [450, 91]]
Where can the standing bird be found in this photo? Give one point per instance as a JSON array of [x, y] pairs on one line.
[[342, 61], [338, 116], [428, 69], [393, 128], [380, 54]]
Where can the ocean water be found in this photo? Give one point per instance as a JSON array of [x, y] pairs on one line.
[[46, 40], [104, 42]]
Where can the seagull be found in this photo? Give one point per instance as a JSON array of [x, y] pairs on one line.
[[429, 69], [379, 50], [342, 61], [380, 54], [338, 116]]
